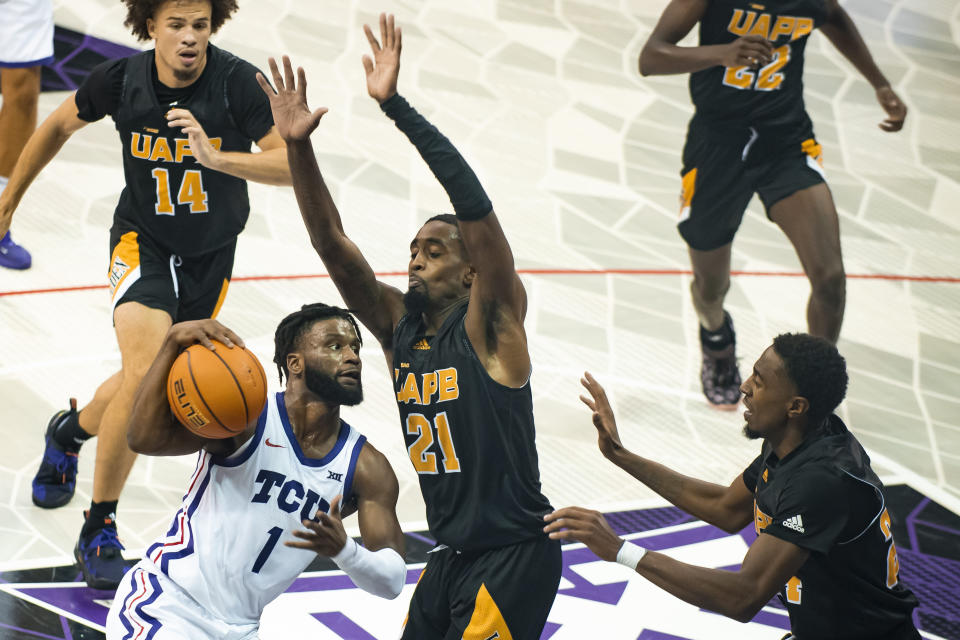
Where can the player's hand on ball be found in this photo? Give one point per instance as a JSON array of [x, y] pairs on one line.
[[608, 438], [326, 537], [384, 68], [192, 332], [586, 526], [747, 51], [291, 114]]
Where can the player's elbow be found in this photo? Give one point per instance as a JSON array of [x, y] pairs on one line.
[[746, 605]]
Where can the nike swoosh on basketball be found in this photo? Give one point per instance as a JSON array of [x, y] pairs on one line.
[[270, 444]]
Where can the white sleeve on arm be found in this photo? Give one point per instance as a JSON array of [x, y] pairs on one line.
[[382, 573]]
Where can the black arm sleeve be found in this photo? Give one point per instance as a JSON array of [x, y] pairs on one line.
[[99, 95], [249, 106], [469, 200]]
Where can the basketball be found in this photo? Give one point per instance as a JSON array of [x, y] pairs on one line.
[[216, 394]]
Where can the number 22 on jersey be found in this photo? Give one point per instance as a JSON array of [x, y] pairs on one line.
[[767, 78]]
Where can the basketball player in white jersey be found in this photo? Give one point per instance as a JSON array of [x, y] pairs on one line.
[[260, 505]]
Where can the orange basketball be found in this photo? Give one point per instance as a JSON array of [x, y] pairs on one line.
[[216, 394]]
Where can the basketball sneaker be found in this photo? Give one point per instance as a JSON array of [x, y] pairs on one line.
[[719, 375], [56, 479], [98, 555], [12, 255]]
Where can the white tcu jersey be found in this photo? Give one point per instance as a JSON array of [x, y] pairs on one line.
[[225, 547], [26, 33]]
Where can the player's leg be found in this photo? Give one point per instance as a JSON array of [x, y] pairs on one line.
[[508, 592], [799, 202], [715, 195], [18, 118], [428, 615], [55, 481], [140, 332], [809, 219]]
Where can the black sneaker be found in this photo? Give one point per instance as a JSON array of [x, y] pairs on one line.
[[719, 375], [98, 556], [56, 479]]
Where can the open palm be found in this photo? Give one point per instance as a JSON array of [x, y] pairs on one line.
[[292, 116], [384, 68]]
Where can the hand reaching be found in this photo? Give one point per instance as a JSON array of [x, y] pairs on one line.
[[326, 537], [200, 145], [384, 68], [607, 435], [184, 334], [896, 110], [291, 114]]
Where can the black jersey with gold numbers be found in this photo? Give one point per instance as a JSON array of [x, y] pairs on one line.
[[185, 207], [825, 498], [470, 439], [770, 97]]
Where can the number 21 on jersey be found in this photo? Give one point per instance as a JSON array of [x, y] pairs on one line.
[[425, 461]]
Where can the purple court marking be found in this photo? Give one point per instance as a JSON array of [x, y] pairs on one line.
[[35, 634], [66, 74], [422, 538], [67, 634], [648, 634], [78, 601], [911, 523], [549, 629], [343, 626]]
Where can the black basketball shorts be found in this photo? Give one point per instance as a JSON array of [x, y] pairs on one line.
[[186, 288], [503, 593], [721, 174]]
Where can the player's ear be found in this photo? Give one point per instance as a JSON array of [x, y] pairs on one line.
[[798, 406], [152, 28], [294, 364], [468, 276]]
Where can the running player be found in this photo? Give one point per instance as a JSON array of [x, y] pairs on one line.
[[824, 541], [750, 134], [187, 114], [220, 563], [456, 345], [26, 43]]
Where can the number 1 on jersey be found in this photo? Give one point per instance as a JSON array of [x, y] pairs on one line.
[[191, 192], [274, 537]]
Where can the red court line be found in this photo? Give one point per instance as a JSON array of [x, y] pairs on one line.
[[544, 272]]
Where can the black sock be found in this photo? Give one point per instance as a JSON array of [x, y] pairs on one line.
[[68, 433], [99, 513], [719, 339]]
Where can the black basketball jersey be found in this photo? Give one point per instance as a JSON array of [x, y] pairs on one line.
[[824, 497], [183, 206], [770, 97], [470, 439]]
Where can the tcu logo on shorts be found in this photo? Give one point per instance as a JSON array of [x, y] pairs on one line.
[[292, 495]]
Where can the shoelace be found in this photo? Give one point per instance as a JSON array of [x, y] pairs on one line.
[[108, 540]]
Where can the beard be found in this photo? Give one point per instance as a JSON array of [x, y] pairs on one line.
[[327, 388], [416, 301], [750, 434]]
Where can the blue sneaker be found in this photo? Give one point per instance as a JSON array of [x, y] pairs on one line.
[[56, 479], [98, 556], [12, 255]]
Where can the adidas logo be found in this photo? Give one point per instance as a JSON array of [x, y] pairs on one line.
[[422, 345], [795, 523]]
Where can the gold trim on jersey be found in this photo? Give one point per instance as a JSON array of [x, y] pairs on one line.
[[487, 622]]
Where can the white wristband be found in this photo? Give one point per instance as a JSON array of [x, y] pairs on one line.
[[630, 555]]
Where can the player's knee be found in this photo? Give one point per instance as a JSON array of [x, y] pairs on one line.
[[21, 91], [830, 286]]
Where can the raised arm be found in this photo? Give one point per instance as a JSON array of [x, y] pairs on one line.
[[661, 55], [377, 305], [153, 430], [40, 149], [729, 508], [770, 562], [498, 301], [843, 33], [377, 566]]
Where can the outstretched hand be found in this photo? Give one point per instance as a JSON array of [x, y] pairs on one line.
[[326, 537], [586, 526], [384, 68], [288, 103], [893, 105], [608, 438]]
